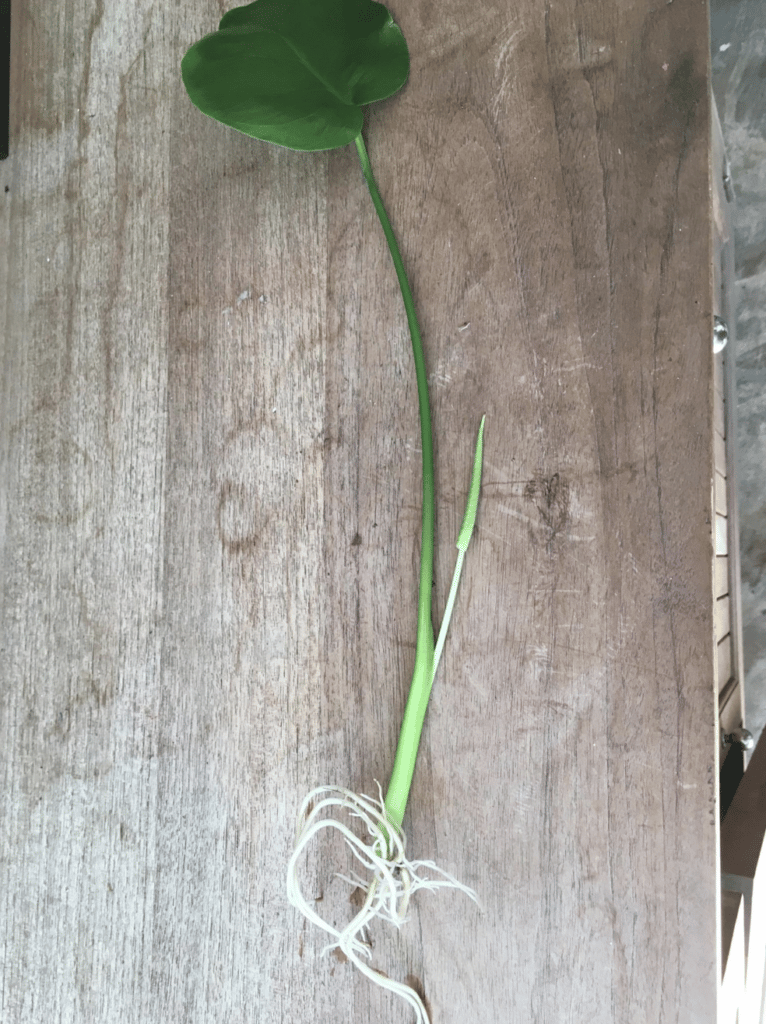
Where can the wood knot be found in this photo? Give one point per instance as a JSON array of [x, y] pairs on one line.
[[551, 497]]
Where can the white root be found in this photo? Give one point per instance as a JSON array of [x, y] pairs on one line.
[[387, 895]]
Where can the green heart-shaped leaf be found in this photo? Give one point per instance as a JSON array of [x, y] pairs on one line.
[[297, 72]]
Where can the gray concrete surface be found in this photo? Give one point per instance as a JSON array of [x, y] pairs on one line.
[[738, 41]]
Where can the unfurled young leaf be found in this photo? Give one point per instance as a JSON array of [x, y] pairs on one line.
[[297, 72]]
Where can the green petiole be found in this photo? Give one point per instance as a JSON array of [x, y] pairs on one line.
[[426, 656]]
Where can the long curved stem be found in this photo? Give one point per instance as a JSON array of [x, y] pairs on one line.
[[395, 877], [422, 677]]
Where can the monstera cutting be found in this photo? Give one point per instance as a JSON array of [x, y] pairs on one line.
[[298, 73]]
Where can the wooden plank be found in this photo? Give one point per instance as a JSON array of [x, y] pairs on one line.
[[721, 535], [721, 494], [719, 410], [722, 618], [729, 314], [719, 374], [723, 654], [211, 528], [720, 454], [721, 218], [5, 75], [721, 577]]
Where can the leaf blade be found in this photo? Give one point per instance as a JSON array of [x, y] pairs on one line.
[[297, 72]]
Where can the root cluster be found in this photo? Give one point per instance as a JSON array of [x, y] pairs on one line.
[[394, 879]]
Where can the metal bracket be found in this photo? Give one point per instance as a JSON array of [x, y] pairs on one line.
[[741, 738]]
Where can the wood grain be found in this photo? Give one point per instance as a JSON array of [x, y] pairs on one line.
[[211, 480]]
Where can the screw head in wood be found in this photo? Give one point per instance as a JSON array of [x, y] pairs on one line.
[[720, 334]]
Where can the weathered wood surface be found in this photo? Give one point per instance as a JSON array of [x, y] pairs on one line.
[[210, 509]]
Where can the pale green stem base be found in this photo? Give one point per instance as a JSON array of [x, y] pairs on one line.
[[426, 656]]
